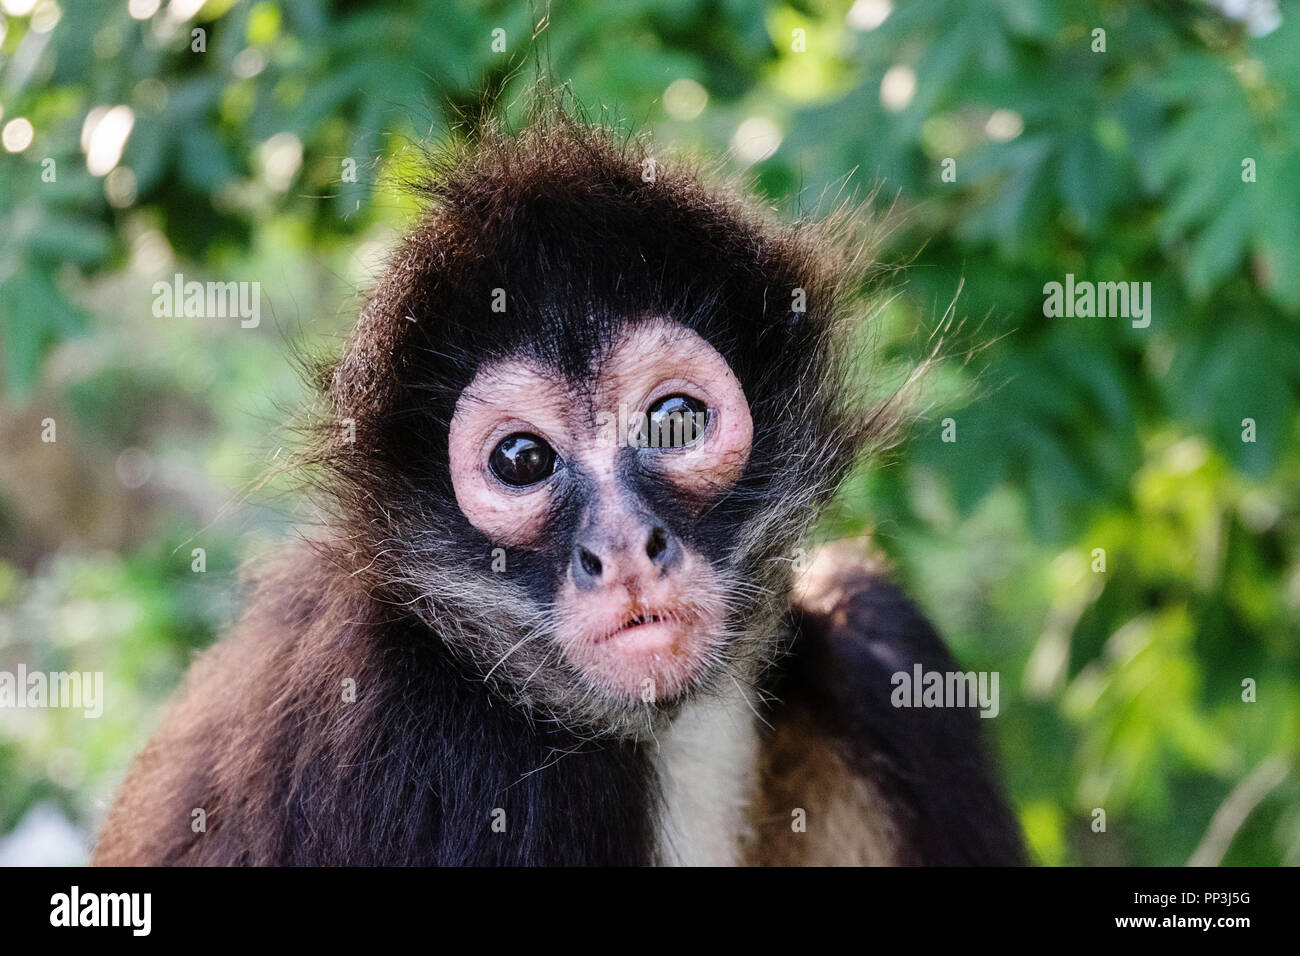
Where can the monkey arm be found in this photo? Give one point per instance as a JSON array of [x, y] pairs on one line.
[[879, 783]]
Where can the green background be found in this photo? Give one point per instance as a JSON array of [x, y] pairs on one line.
[[1122, 689]]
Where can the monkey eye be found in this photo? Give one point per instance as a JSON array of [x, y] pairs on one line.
[[522, 459], [675, 421]]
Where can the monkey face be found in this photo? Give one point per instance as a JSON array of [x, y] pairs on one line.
[[606, 478]]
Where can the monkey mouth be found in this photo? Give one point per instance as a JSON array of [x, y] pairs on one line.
[[642, 647], [647, 655], [639, 620]]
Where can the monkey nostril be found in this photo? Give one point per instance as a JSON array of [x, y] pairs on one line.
[[656, 544], [590, 563]]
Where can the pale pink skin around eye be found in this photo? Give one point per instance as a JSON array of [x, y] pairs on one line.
[[503, 399], [654, 359], [651, 360]]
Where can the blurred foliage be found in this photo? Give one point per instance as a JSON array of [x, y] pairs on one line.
[[1123, 686]]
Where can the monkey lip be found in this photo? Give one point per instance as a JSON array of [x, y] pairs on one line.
[[645, 632], [645, 648], [637, 622]]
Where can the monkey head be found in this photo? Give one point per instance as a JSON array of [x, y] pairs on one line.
[[594, 413]]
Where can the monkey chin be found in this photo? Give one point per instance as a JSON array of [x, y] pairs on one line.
[[648, 654]]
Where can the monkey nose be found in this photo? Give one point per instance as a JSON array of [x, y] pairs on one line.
[[594, 563], [661, 547], [586, 565]]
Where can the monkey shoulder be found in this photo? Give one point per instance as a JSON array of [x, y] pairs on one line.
[[209, 785], [846, 776], [328, 730]]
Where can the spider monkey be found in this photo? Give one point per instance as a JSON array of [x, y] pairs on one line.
[[552, 617]]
